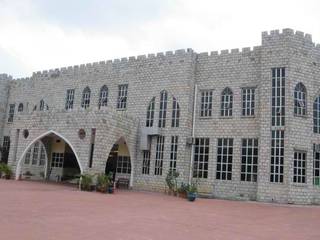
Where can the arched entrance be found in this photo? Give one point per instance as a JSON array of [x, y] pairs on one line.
[[49, 157], [119, 163]]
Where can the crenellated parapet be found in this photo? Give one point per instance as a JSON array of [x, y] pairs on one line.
[[4, 76], [234, 54], [287, 34], [133, 61]]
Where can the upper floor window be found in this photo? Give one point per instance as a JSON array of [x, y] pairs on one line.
[[20, 107], [278, 97], [163, 109], [206, 103], [248, 101], [300, 103], [69, 99], [103, 96], [226, 102], [316, 115], [85, 103], [41, 107], [150, 113], [175, 113], [11, 113], [122, 96]]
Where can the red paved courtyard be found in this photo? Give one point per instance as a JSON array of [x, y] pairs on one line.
[[39, 211]]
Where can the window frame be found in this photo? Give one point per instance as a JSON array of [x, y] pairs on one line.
[[224, 159], [163, 107], [158, 166], [248, 98], [300, 96], [175, 120], [86, 95], [249, 162], [103, 97], [150, 113], [201, 154], [299, 175], [122, 96], [226, 99], [206, 102], [69, 99]]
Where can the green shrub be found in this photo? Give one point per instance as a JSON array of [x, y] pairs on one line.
[[86, 182], [5, 170], [103, 182], [171, 180]]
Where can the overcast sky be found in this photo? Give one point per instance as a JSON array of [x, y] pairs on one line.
[[43, 34]]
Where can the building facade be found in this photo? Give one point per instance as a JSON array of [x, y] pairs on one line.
[[244, 124]]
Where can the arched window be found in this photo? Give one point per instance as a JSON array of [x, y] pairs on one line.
[[20, 107], [226, 102], [85, 103], [150, 113], [175, 113], [103, 96], [163, 109], [300, 103], [316, 115], [41, 107]]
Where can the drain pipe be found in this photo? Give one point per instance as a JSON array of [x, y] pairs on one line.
[[193, 123]]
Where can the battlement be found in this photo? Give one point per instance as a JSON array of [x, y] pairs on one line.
[[287, 33], [112, 63], [233, 53], [4, 76]]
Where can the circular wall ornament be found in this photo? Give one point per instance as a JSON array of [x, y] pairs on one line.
[[25, 133], [82, 133]]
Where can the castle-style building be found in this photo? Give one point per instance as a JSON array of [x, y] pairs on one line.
[[244, 124]]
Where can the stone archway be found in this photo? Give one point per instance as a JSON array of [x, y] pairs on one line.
[[61, 154], [119, 161]]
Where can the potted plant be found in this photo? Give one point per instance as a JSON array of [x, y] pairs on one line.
[[192, 192], [86, 182], [182, 190], [110, 185], [102, 183], [6, 171], [172, 182]]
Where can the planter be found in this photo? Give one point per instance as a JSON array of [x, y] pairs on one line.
[[110, 190], [191, 196]]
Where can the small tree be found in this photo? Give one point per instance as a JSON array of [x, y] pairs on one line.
[[172, 180]]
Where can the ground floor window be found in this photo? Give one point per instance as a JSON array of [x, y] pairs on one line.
[[159, 156], [277, 156], [146, 162], [316, 164], [249, 159], [299, 167], [201, 158], [57, 160], [173, 153], [224, 159], [123, 164]]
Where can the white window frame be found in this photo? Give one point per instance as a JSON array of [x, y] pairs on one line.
[[174, 153], [299, 166], [224, 159], [248, 101], [175, 113], [123, 165], [159, 155], [85, 103], [150, 113], [300, 102], [146, 162], [103, 97], [249, 159], [277, 156], [201, 158], [206, 103], [278, 97], [122, 97], [69, 99], [163, 109], [226, 103], [57, 160]]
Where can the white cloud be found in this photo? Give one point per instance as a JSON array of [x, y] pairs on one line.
[[37, 42]]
